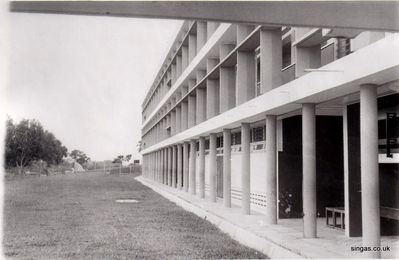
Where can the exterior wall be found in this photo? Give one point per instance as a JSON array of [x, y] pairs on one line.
[[329, 166], [258, 179]]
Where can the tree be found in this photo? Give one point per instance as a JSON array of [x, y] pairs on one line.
[[122, 158], [27, 141], [79, 157], [118, 159]]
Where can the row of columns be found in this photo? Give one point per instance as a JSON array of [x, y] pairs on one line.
[[235, 84], [181, 61], [161, 166], [176, 166]]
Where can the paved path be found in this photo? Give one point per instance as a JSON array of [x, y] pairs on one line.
[[77, 216]]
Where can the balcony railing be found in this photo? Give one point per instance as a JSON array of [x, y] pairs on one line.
[[288, 73]]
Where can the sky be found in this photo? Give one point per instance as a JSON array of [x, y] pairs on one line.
[[85, 77]]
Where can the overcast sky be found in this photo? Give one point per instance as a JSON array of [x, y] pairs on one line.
[[84, 77]]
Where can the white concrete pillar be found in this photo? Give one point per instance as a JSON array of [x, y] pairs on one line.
[[212, 167], [309, 170], [184, 90], [211, 63], [153, 166], [227, 89], [346, 168], [185, 167], [246, 168], [174, 168], [150, 165], [192, 47], [271, 60], [146, 166], [201, 105], [173, 74], [369, 168], [307, 58], [143, 167], [170, 166], [184, 58], [178, 119], [154, 162], [227, 168], [159, 167], [271, 170], [245, 85], [192, 177], [179, 166], [160, 128], [201, 168], [184, 116], [156, 166], [211, 28], [191, 84], [178, 96], [201, 35], [191, 111], [225, 50], [173, 122], [199, 75], [163, 166], [178, 66], [212, 98], [243, 30], [164, 131]]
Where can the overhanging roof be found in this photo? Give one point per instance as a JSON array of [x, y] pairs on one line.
[[367, 15]]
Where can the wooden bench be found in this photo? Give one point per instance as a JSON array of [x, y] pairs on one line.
[[391, 213], [335, 212]]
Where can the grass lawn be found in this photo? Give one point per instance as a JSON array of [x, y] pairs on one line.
[[76, 216]]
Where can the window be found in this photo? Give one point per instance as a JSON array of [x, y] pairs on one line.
[[388, 134], [258, 134], [219, 142], [343, 47], [207, 144], [258, 71], [287, 54], [236, 138], [388, 125]]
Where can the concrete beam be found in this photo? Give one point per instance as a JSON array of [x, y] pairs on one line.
[[332, 14]]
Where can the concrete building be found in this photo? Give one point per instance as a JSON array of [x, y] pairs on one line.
[[291, 122], [290, 114]]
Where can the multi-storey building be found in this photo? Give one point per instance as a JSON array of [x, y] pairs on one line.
[[286, 121]]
